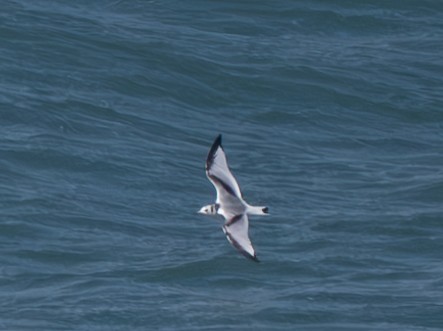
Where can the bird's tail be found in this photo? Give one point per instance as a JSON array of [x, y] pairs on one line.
[[254, 210]]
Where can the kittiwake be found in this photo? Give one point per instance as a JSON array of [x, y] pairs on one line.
[[229, 202]]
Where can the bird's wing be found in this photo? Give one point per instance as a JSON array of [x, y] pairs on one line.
[[219, 174], [236, 230]]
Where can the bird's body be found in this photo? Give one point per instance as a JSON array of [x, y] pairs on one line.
[[229, 202]]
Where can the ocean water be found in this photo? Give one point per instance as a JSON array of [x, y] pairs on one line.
[[331, 114]]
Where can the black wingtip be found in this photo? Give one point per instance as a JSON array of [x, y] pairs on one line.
[[249, 256], [218, 140], [211, 154], [255, 259], [265, 210]]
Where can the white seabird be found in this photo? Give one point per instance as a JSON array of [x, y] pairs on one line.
[[229, 202]]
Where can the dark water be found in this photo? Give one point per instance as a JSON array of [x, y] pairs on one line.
[[332, 115]]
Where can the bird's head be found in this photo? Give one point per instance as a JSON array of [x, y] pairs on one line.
[[208, 210]]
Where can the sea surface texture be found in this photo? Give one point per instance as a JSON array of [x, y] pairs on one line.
[[331, 114]]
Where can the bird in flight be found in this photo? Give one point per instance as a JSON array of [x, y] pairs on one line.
[[229, 202]]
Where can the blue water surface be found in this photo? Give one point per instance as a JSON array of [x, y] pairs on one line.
[[331, 114]]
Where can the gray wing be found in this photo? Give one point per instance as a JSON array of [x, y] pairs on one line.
[[236, 230], [220, 175]]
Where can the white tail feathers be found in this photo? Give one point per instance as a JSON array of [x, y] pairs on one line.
[[254, 210]]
